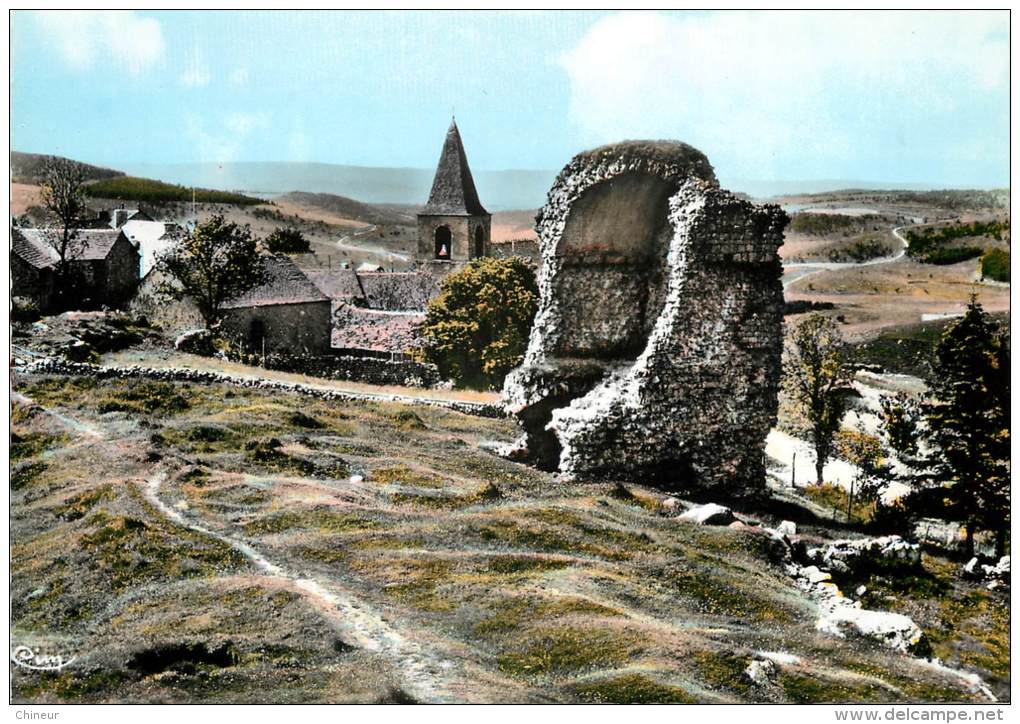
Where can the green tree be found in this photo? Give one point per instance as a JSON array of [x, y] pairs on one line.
[[967, 421], [477, 329], [63, 195], [956, 441], [818, 375], [217, 261], [287, 241]]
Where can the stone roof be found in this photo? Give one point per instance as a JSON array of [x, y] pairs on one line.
[[337, 283], [381, 291], [371, 330], [97, 245], [32, 249], [282, 283], [453, 188]]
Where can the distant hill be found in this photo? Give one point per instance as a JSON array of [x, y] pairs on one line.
[[347, 208], [131, 188], [28, 168], [499, 190]]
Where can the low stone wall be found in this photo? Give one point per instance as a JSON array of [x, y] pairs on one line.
[[184, 374], [370, 370]]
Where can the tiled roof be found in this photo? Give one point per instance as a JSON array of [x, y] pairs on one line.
[[453, 188], [283, 283], [97, 243], [32, 250], [397, 291], [375, 331]]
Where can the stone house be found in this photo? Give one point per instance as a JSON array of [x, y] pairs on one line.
[[104, 268], [286, 314], [375, 313]]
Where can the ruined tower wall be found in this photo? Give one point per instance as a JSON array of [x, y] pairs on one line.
[[655, 354]]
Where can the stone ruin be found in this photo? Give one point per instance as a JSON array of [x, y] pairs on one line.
[[655, 355]]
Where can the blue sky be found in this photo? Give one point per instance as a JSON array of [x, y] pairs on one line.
[[901, 97]]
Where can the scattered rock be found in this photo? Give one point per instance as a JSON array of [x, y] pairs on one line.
[[839, 616], [845, 556], [779, 657], [760, 671], [709, 514], [994, 576], [814, 575]]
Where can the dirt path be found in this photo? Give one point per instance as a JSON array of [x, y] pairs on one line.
[[424, 675], [69, 422], [342, 245]]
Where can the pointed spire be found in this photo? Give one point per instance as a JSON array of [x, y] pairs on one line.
[[453, 188]]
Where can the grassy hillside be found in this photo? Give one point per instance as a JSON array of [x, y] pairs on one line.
[[131, 188], [238, 545], [27, 168], [347, 208]]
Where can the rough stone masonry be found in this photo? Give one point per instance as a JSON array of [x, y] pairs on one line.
[[655, 355]]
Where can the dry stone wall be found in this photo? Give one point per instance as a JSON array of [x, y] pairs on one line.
[[655, 353]]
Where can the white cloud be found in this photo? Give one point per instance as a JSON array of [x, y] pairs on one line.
[[757, 87], [85, 38]]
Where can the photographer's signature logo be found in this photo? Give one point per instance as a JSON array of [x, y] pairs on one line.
[[28, 658]]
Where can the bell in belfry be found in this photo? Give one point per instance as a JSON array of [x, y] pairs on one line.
[[443, 252]]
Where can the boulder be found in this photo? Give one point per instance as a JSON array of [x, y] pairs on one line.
[[709, 514], [841, 617], [787, 528]]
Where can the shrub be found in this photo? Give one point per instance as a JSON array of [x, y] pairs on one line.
[[477, 328], [995, 265], [927, 244], [951, 255]]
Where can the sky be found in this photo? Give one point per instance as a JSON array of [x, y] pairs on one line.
[[900, 97]]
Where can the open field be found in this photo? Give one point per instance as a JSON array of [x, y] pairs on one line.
[[235, 545], [24, 197], [891, 289]]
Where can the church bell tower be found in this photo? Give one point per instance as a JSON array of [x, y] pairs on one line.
[[453, 226]]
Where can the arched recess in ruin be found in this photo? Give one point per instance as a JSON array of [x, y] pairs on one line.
[[613, 266], [479, 242], [442, 239]]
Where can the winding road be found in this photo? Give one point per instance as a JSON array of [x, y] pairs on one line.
[[807, 268], [373, 249]]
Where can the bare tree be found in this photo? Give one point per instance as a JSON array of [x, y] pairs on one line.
[[818, 373], [63, 195]]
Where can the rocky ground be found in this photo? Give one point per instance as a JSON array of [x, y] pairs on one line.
[[215, 543]]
